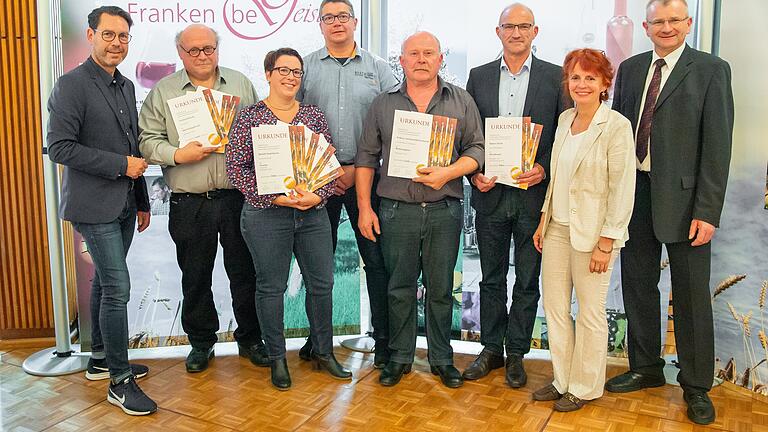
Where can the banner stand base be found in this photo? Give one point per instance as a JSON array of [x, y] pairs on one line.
[[47, 363], [363, 344]]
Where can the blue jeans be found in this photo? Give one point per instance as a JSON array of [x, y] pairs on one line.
[[499, 327], [108, 245], [420, 239], [272, 236]]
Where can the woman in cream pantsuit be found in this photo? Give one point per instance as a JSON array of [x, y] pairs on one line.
[[583, 225]]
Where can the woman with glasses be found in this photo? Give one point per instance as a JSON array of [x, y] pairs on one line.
[[277, 227], [583, 225]]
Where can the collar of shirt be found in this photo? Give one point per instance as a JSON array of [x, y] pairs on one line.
[[325, 54], [118, 78], [442, 87], [671, 58], [525, 68], [184, 80]]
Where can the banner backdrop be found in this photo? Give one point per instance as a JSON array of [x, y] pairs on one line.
[[248, 29]]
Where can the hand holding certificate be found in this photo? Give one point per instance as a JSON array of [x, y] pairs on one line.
[[420, 140], [511, 144], [289, 158], [205, 116]]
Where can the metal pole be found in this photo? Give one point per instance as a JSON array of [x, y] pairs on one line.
[[374, 39], [64, 358]]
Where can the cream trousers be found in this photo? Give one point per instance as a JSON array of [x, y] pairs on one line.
[[578, 354]]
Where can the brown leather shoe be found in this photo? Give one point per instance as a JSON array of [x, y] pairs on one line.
[[548, 393], [569, 403]]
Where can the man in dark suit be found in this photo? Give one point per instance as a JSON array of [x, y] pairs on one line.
[[93, 133], [680, 103], [518, 84]]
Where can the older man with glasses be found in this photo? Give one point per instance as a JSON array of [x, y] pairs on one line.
[[205, 208], [342, 79]]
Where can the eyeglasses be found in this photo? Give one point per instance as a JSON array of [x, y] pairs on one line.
[[284, 71], [109, 36], [195, 52], [672, 22], [523, 28], [342, 17]]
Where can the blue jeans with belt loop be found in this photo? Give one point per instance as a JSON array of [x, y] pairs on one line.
[[108, 245], [420, 238], [273, 235]]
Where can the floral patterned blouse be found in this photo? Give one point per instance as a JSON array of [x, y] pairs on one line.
[[240, 166]]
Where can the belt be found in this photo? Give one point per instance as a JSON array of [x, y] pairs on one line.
[[211, 194], [439, 203]]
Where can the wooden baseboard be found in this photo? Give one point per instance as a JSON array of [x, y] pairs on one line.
[[11, 344], [7, 334]]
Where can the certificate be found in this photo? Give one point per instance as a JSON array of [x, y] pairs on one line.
[[205, 116], [420, 140], [288, 157], [510, 148], [193, 120], [272, 159]]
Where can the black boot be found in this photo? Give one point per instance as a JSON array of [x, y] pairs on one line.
[[281, 379], [381, 354], [305, 353], [393, 372], [329, 363]]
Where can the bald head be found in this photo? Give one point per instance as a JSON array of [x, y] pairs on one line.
[[421, 58], [421, 37], [517, 9], [195, 31]]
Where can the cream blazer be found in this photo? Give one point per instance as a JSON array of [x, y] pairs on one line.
[[602, 183]]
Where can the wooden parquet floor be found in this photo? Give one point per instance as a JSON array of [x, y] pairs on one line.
[[233, 395]]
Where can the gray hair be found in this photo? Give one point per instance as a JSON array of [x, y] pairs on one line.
[[346, 2], [664, 3], [515, 5], [179, 35], [402, 46]]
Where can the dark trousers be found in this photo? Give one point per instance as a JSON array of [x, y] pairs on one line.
[[640, 273], [510, 220], [420, 239], [373, 261], [273, 236], [108, 245], [197, 224]]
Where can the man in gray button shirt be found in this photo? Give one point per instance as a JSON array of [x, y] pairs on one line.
[[342, 79], [420, 219], [205, 208]]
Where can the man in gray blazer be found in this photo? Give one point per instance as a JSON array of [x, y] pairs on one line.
[[93, 133], [518, 84], [680, 103]]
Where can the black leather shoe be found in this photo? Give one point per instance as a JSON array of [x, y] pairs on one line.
[[329, 363], [515, 375], [197, 360], [633, 381], [281, 379], [305, 353], [449, 375], [256, 353], [381, 354], [700, 409], [393, 372], [483, 365]]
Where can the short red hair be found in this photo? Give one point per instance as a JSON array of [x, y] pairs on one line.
[[590, 60]]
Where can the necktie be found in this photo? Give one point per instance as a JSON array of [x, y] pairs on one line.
[[644, 129]]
